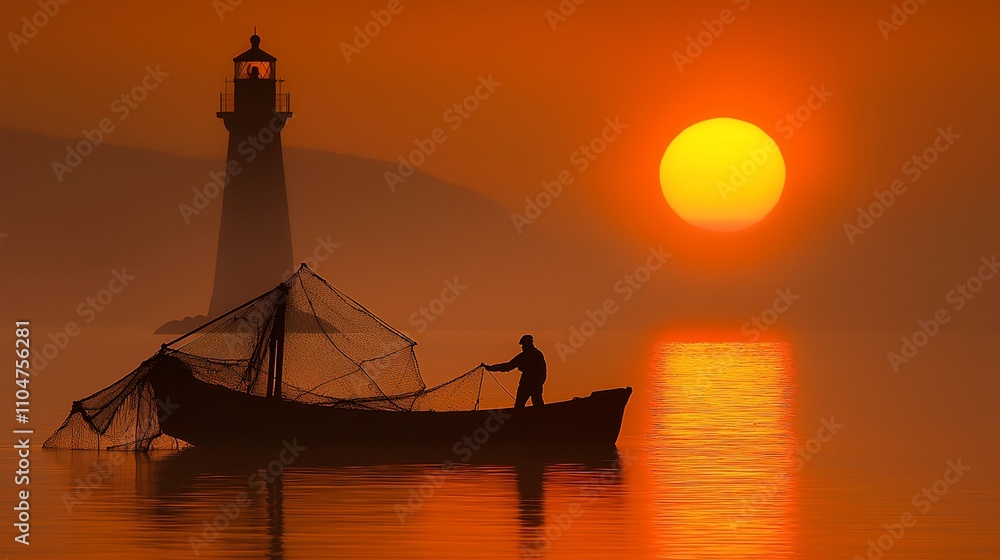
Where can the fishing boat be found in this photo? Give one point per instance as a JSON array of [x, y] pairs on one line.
[[306, 365], [208, 415]]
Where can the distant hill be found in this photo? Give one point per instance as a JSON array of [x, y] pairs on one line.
[[394, 251], [398, 251]]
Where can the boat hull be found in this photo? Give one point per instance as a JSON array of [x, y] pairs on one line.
[[207, 415]]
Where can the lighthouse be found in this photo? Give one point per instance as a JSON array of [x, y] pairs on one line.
[[255, 240]]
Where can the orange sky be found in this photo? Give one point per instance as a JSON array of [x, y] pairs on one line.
[[557, 86]]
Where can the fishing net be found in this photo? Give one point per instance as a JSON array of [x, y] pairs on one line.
[[333, 352]]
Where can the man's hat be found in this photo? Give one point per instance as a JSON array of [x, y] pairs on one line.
[[526, 339]]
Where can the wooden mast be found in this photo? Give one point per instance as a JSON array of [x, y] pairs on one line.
[[276, 345]]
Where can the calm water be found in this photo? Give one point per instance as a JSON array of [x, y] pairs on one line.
[[732, 450]]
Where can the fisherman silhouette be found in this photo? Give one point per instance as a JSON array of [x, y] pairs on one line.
[[531, 362]]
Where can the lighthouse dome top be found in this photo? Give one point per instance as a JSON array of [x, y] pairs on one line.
[[255, 52], [254, 62]]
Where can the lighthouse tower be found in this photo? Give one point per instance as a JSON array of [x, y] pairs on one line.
[[255, 240]]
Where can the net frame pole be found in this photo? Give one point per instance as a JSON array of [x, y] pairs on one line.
[[278, 333], [270, 365]]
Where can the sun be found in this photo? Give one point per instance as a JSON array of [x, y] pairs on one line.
[[722, 174]]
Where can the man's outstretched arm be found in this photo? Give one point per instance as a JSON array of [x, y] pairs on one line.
[[507, 366]]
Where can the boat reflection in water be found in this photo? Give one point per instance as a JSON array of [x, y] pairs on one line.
[[228, 503], [722, 450]]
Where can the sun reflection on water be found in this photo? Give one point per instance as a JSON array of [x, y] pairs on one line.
[[721, 450]]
